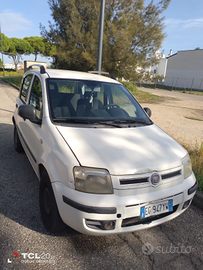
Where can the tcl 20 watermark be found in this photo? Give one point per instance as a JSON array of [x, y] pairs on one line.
[[33, 258]]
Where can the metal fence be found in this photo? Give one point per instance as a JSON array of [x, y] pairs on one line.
[[176, 83], [184, 83]]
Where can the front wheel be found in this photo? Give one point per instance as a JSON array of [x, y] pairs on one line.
[[48, 207]]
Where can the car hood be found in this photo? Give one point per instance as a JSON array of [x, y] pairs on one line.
[[124, 150]]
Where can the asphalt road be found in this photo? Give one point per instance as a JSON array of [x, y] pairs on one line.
[[25, 244]]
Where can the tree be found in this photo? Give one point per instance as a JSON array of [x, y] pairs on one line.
[[17, 48], [50, 50], [132, 32], [6, 42], [38, 44]]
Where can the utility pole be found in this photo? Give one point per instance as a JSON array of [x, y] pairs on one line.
[[100, 38], [2, 50]]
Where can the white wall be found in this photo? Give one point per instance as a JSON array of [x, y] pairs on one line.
[[161, 69], [185, 69]]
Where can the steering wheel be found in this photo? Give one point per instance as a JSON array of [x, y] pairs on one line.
[[109, 106]]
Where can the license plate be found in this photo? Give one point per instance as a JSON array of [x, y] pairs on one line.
[[156, 208]]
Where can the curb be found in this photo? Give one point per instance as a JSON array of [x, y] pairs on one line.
[[11, 84], [18, 88], [198, 200]]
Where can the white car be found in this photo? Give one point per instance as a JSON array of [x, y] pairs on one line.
[[104, 167]]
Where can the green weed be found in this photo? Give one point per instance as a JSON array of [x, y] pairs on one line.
[[12, 77], [141, 96], [196, 156]]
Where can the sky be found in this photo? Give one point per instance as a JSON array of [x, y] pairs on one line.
[[183, 22]]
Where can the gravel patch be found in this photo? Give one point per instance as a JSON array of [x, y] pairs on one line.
[[178, 114]]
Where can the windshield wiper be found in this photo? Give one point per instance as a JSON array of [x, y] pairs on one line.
[[109, 123], [113, 123], [129, 121], [71, 120]]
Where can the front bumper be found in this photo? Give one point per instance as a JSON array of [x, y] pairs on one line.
[[96, 214]]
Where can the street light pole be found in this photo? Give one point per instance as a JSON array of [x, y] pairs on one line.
[[100, 38], [2, 51]]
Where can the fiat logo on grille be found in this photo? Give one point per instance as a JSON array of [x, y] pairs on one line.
[[155, 179]]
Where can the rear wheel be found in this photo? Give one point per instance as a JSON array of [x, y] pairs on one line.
[[17, 144], [48, 207]]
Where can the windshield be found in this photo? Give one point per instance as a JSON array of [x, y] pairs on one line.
[[78, 101]]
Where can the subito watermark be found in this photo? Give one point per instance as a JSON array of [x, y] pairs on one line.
[[148, 249]]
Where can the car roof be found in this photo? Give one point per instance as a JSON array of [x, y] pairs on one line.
[[70, 74]]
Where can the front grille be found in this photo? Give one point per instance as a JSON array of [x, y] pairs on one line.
[[133, 181], [145, 180], [170, 175], [137, 220]]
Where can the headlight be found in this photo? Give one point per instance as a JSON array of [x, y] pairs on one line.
[[187, 167], [91, 180]]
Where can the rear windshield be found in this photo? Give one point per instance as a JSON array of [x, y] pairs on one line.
[[92, 101]]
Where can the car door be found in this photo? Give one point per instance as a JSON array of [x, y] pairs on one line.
[[32, 133], [23, 98]]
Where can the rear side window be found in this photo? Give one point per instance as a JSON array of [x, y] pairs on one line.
[[36, 97], [25, 87]]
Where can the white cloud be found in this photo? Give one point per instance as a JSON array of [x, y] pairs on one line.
[[13, 22], [184, 24], [197, 23]]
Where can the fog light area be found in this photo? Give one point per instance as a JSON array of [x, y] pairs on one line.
[[186, 204], [101, 225]]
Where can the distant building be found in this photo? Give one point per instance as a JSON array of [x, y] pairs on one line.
[[156, 69], [185, 69], [28, 63], [9, 66], [162, 66], [12, 66]]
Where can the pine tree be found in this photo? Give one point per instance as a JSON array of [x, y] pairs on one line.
[[132, 32]]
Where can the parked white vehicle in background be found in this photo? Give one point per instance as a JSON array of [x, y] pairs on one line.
[[104, 167]]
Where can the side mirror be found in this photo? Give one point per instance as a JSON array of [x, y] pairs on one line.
[[148, 111], [27, 111]]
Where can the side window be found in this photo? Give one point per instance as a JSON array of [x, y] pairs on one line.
[[25, 87], [36, 97]]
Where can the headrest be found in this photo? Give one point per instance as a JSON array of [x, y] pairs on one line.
[[53, 86], [97, 89]]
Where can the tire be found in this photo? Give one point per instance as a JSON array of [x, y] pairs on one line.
[[17, 144], [48, 207]]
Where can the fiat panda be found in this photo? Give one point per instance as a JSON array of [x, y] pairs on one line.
[[104, 167]]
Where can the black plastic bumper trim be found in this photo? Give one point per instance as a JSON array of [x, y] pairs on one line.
[[90, 209], [137, 221], [193, 188]]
